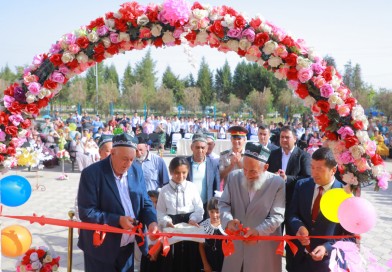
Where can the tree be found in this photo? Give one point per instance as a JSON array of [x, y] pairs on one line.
[[260, 102], [330, 61], [145, 74], [288, 104], [223, 82], [7, 75], [163, 100], [128, 79], [133, 97], [189, 81], [234, 104], [204, 82], [172, 82], [110, 74], [383, 102], [348, 75], [108, 93], [91, 82], [192, 99], [77, 91]]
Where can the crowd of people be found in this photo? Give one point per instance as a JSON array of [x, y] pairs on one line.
[[268, 183]]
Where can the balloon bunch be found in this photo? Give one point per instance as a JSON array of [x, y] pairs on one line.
[[15, 239], [355, 214]]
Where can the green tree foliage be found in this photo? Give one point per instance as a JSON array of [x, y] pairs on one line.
[[172, 82], [289, 104], [235, 104], [189, 81], [383, 102], [260, 102], [77, 91], [91, 82], [133, 97], [110, 75], [163, 100], [205, 83], [145, 74], [107, 93], [330, 61], [192, 99], [223, 82], [128, 79]]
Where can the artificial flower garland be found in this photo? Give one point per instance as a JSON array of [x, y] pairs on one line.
[[175, 22]]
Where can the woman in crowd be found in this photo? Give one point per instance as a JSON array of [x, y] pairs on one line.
[[82, 158], [382, 149]]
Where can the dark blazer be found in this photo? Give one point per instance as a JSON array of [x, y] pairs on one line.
[[272, 147], [299, 214], [298, 168], [212, 175], [99, 202]]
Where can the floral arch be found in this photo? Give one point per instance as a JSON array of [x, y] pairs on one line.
[[175, 22]]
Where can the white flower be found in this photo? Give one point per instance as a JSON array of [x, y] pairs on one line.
[[266, 28], [362, 136], [93, 36], [233, 45], [200, 13], [142, 20], [350, 178], [279, 75], [303, 63], [110, 23], [30, 98], [41, 94], [106, 42], [67, 57], [377, 170], [228, 21], [309, 101], [36, 265], [124, 37], [193, 23], [244, 44], [357, 151], [117, 15], [156, 30], [252, 58], [82, 57], [274, 61], [334, 100], [33, 256], [358, 113], [168, 37], [269, 47]]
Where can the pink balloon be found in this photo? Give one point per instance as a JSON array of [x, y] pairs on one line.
[[357, 215]]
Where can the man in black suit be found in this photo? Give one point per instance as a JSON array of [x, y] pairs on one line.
[[289, 161], [264, 135]]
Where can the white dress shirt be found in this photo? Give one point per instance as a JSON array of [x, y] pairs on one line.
[[286, 158]]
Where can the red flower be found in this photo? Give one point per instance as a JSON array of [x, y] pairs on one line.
[[99, 48], [191, 36], [288, 41], [358, 125], [1, 158], [377, 160], [122, 24], [15, 107], [239, 22], [261, 39], [10, 90], [158, 42], [331, 135], [42, 103], [229, 10], [41, 253], [99, 57], [32, 108], [255, 23], [82, 42], [323, 105], [302, 91], [56, 59], [241, 52], [26, 123], [291, 59], [351, 102], [292, 74], [177, 42], [152, 14], [73, 64], [341, 169], [328, 73], [3, 118], [323, 121], [197, 5], [217, 29], [96, 23], [351, 141], [11, 130], [49, 84], [113, 49]]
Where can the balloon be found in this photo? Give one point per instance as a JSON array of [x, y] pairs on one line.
[[72, 127], [15, 241], [15, 190], [357, 215], [330, 202]]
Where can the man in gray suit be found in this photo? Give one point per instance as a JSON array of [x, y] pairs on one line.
[[204, 171]]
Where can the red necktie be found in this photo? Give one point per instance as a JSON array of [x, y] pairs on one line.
[[316, 204]]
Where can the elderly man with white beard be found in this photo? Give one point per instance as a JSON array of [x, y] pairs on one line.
[[254, 198]]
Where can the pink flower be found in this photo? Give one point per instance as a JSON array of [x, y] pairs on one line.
[[249, 34], [343, 110], [8, 101], [370, 148], [346, 157], [34, 88], [326, 90], [177, 33], [349, 178], [345, 131], [319, 81], [176, 11], [213, 40], [73, 48], [114, 37], [63, 69], [292, 84], [102, 30], [55, 48], [362, 165], [69, 38], [57, 77], [281, 51], [383, 180], [2, 137], [37, 60], [234, 33], [305, 74], [16, 119], [318, 68]]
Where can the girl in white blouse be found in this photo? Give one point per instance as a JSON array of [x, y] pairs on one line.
[[179, 202]]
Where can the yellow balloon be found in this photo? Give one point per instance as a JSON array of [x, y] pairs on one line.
[[15, 241], [330, 203], [72, 127]]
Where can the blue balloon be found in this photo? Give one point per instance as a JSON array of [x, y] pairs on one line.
[[15, 190]]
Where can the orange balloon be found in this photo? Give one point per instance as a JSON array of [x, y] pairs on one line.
[[15, 241]]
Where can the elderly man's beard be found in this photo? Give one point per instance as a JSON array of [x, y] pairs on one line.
[[254, 185]]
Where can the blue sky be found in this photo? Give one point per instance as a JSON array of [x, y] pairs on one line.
[[346, 30]]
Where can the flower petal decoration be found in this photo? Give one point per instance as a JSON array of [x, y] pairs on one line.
[[176, 22]]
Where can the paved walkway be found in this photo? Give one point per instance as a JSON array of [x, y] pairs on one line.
[[59, 198]]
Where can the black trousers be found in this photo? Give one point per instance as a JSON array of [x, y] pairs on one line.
[[123, 263]]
